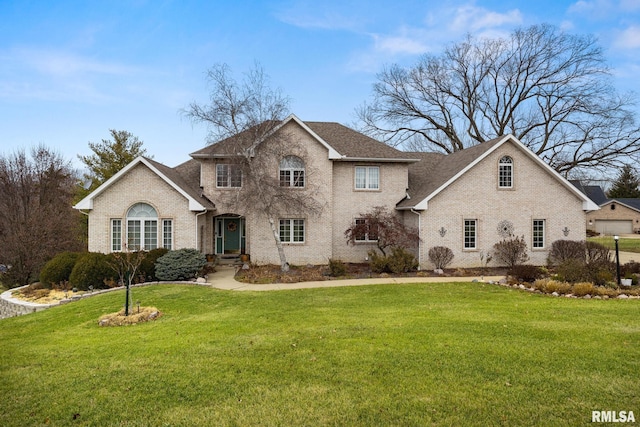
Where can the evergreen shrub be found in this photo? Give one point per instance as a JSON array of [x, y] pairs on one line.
[[181, 264]]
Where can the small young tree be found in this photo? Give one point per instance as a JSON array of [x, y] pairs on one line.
[[126, 264], [512, 251], [385, 227]]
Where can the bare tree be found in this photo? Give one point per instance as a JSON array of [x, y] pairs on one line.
[[548, 88], [36, 217], [246, 119]]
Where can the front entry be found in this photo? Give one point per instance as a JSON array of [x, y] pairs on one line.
[[230, 235]]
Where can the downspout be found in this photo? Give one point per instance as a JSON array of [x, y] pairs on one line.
[[197, 240], [419, 234]]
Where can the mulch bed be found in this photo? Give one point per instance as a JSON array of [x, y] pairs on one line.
[[272, 274]]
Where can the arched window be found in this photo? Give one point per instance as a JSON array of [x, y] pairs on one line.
[[292, 172], [505, 172], [142, 227]]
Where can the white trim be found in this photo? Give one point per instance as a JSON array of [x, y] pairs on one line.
[[587, 204], [87, 202], [333, 154]]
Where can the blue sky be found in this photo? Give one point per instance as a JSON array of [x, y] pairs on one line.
[[72, 70]]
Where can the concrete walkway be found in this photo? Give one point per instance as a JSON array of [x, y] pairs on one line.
[[224, 279]]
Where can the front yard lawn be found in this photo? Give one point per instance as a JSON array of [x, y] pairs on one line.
[[624, 244], [422, 354]]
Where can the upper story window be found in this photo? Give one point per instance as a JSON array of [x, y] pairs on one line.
[[505, 172], [292, 172], [367, 177], [228, 176]]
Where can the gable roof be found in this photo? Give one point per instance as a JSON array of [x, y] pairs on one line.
[[178, 178], [630, 203], [341, 142], [426, 180]]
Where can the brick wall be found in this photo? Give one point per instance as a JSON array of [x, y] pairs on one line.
[[475, 195], [350, 204], [140, 185]]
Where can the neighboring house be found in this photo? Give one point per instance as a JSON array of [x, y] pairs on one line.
[[466, 201], [616, 216]]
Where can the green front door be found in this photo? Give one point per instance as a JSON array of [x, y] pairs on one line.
[[229, 235]]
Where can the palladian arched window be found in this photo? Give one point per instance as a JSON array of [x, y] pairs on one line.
[[505, 172], [142, 227], [292, 172]]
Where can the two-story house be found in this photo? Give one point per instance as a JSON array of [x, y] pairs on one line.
[[466, 201]]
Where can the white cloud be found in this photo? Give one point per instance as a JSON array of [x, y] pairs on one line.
[[470, 18], [628, 38], [60, 63]]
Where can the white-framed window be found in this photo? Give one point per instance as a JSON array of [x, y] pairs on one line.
[[167, 234], [228, 175], [292, 230], [116, 235], [367, 178], [142, 227], [366, 233], [538, 233], [470, 233], [292, 172], [505, 172]]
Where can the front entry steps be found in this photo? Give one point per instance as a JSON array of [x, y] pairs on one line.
[[228, 259]]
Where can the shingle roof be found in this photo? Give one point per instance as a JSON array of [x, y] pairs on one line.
[[187, 177], [594, 192], [348, 143], [352, 144], [434, 170]]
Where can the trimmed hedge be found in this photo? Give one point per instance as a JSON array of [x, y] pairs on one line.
[[58, 269], [92, 269]]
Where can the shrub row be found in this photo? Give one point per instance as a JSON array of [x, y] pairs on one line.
[[399, 261], [97, 270]]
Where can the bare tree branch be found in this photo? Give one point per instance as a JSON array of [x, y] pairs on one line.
[[550, 89]]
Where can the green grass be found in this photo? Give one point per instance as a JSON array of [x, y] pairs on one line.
[[625, 245], [410, 355]]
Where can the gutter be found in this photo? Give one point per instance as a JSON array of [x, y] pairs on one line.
[[197, 240], [419, 233]]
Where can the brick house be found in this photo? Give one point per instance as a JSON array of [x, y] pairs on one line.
[[466, 201], [616, 216]]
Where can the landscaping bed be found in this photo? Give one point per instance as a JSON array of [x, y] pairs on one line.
[[266, 274]]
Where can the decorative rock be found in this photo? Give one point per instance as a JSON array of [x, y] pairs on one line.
[[555, 294], [623, 296], [153, 315], [521, 286], [245, 266], [201, 280], [597, 297], [587, 296], [438, 271]]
